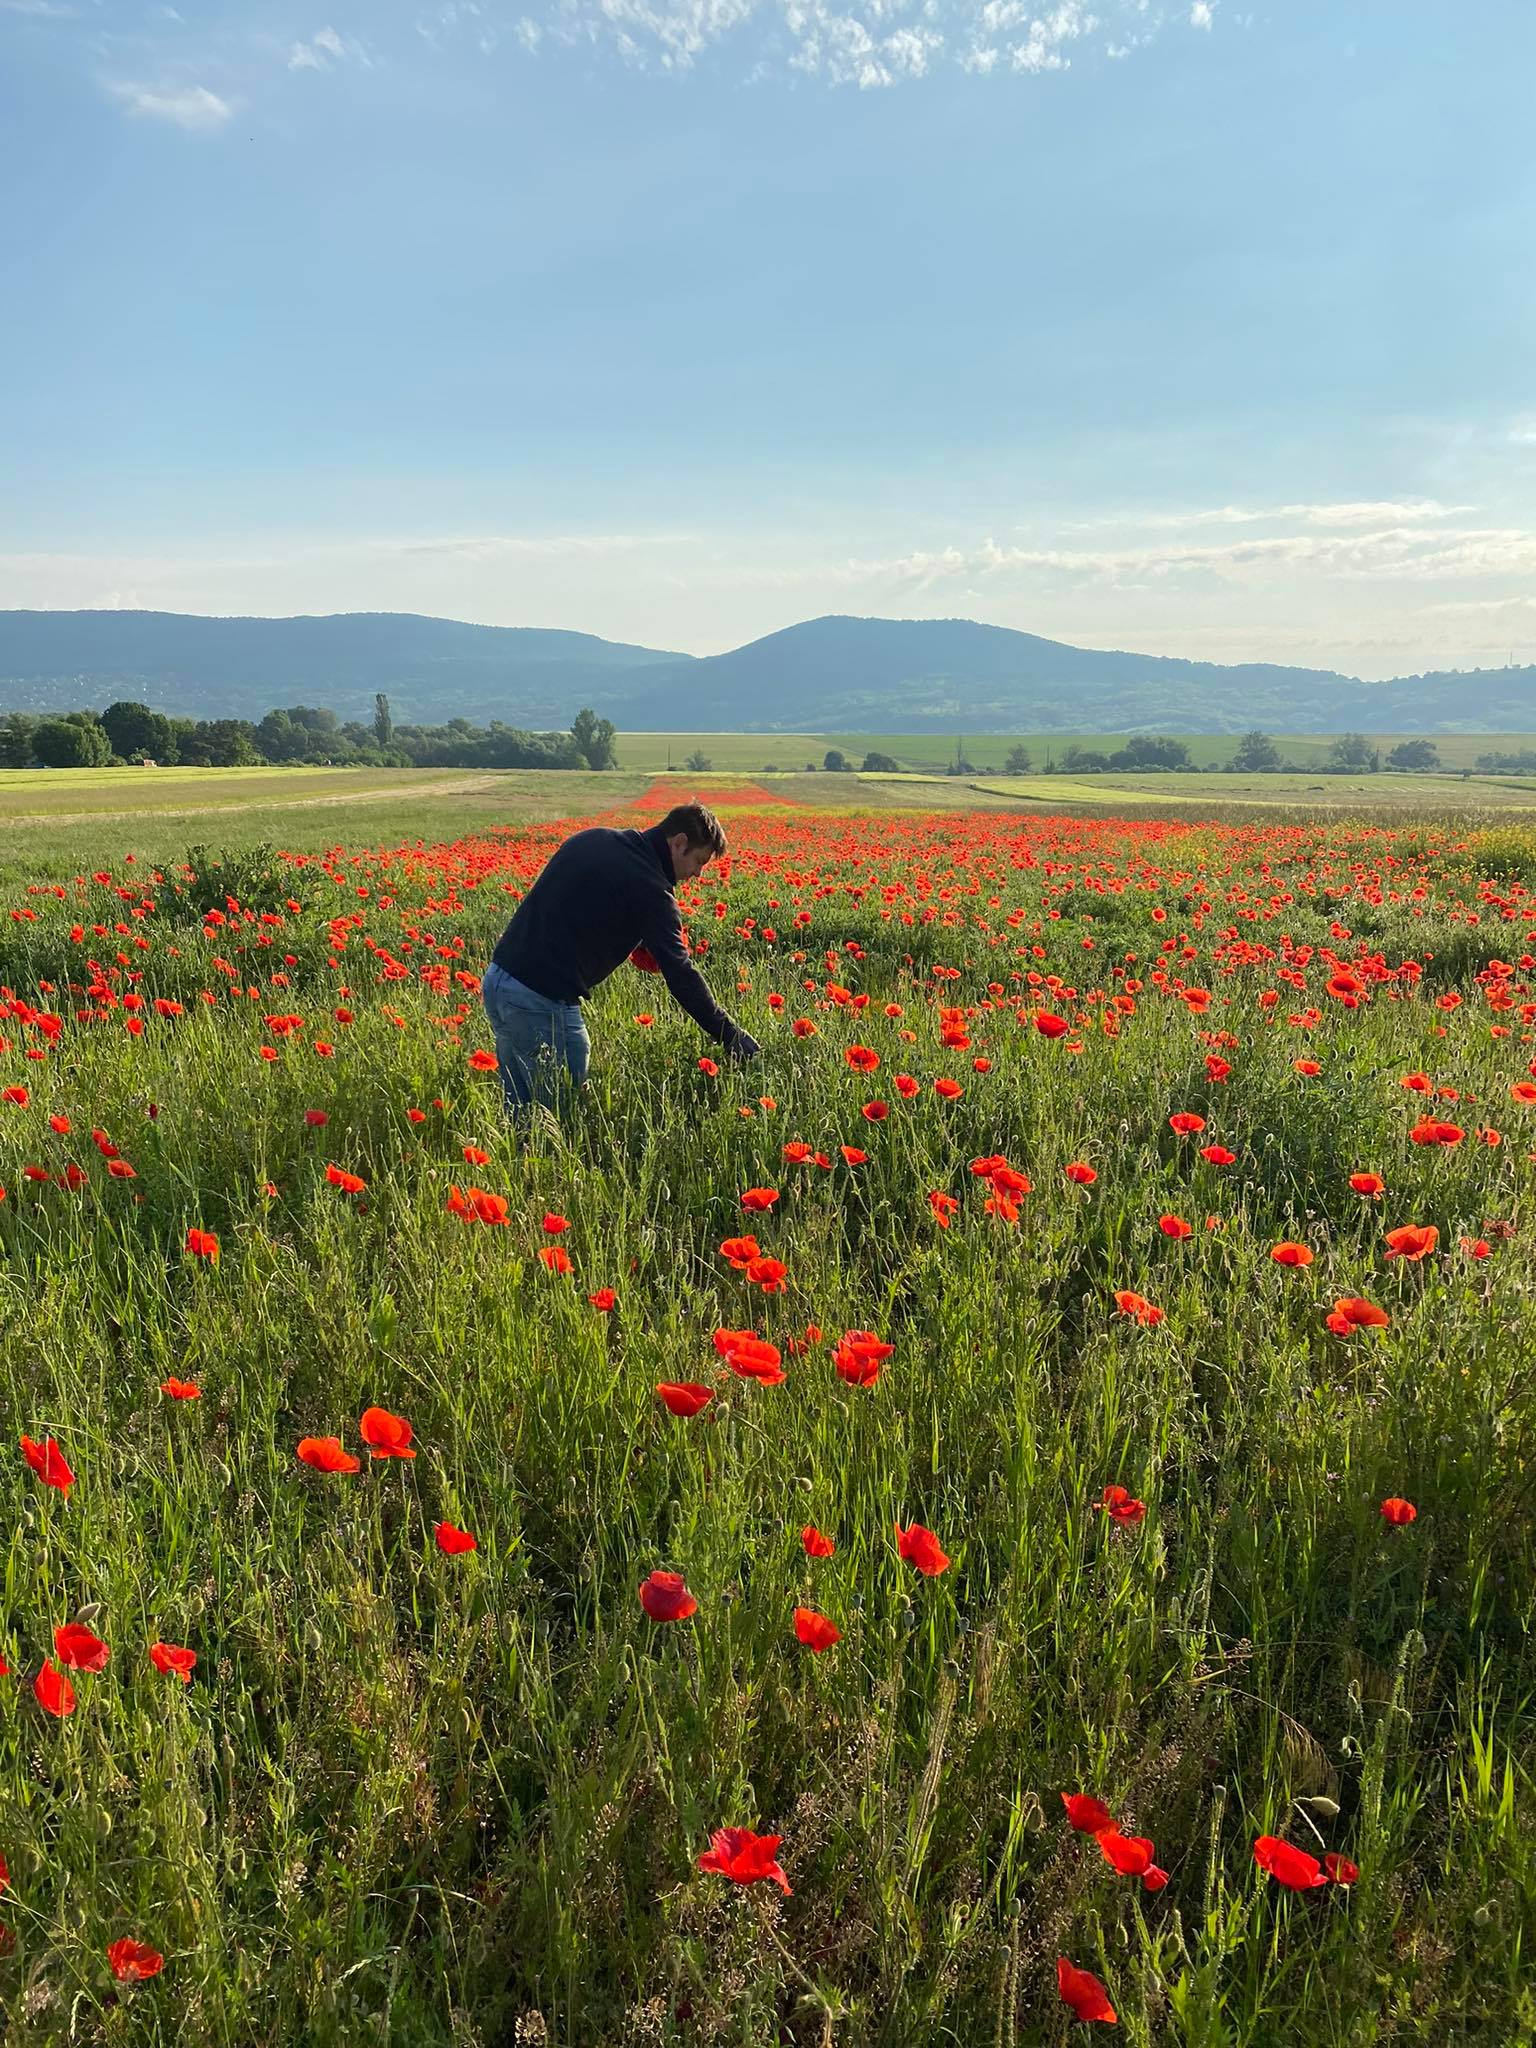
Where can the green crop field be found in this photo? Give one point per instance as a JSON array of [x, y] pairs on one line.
[[1075, 1387]]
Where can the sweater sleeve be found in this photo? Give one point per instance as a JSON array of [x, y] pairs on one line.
[[663, 934]]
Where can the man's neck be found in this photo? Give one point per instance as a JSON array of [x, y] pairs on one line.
[[663, 853]]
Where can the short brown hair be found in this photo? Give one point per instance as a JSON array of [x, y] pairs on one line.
[[701, 825]]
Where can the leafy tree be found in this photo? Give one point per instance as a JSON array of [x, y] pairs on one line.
[[836, 762], [1353, 754], [134, 729], [279, 739], [71, 743], [17, 729], [1146, 750], [880, 764], [1416, 756], [1017, 762], [698, 762], [1256, 754], [218, 743], [1083, 761], [383, 724], [596, 739]]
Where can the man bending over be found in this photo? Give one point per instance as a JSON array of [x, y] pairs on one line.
[[599, 896]]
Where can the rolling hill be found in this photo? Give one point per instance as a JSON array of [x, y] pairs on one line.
[[826, 675]]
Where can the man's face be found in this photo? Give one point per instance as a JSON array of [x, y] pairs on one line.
[[688, 862]]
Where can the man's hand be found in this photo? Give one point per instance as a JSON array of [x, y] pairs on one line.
[[743, 1047]]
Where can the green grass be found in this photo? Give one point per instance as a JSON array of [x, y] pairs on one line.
[[431, 1800]]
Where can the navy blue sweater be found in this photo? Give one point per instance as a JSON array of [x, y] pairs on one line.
[[599, 895]]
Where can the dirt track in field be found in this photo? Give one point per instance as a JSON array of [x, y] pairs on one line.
[[263, 803]]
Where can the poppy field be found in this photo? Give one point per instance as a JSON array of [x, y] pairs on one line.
[[1007, 1519]]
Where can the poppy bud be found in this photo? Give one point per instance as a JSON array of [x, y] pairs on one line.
[[1319, 1804], [89, 1612]]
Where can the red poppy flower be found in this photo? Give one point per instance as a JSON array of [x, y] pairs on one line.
[[554, 1225], [876, 1112], [1419, 1083], [483, 1062], [1354, 1313], [1476, 1247], [1080, 1173], [16, 1095], [48, 1462], [859, 1356], [181, 1390], [173, 1658], [920, 1547], [907, 1086], [1136, 1305], [134, 1961], [1412, 1241], [750, 1357], [203, 1244], [474, 1156], [1218, 1155], [814, 1543], [862, 1058], [1432, 1131], [665, 1598], [744, 1858], [453, 1542], [53, 1691], [386, 1435], [707, 1066], [1399, 1513], [643, 958], [1308, 1067], [1088, 1815], [1175, 1226], [1117, 1503], [475, 1204], [61, 1125], [852, 1156], [1186, 1123], [121, 1170], [317, 1119], [950, 1090], [1131, 1855], [1340, 1869], [324, 1454], [555, 1258], [1289, 1866], [684, 1397], [1081, 1990], [75, 1645], [1523, 1091], [1289, 1254], [1051, 1026], [1367, 1183], [815, 1631], [943, 1206], [604, 1300], [758, 1201], [349, 1183]]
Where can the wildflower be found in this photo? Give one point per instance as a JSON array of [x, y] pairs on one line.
[[49, 1463], [1351, 1312], [181, 1390], [1340, 1869], [604, 1300], [1130, 1855], [1174, 1227], [202, 1244], [317, 1119], [859, 1356], [814, 1543], [862, 1058], [1287, 1253], [1137, 1306], [324, 1454], [1367, 1183], [555, 1258], [1185, 1123], [1117, 1503], [1289, 1866], [684, 1397], [948, 1089], [75, 1645], [53, 1691], [750, 1357], [1398, 1513], [476, 1204], [744, 1858], [1080, 1174], [349, 1183], [173, 1658], [1432, 1131], [758, 1201], [1088, 1815], [133, 1961], [386, 1435], [665, 1598], [1476, 1247], [555, 1225], [920, 1547], [1083, 1992], [451, 1541], [1217, 1155], [1412, 1241], [474, 1156], [1051, 1026], [815, 1631], [482, 1062]]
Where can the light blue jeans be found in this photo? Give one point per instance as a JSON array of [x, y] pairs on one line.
[[541, 1046]]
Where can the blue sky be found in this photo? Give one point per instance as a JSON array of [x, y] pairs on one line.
[[1198, 328]]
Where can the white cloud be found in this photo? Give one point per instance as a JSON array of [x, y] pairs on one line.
[[1351, 513], [1200, 14], [41, 10], [192, 107], [324, 49]]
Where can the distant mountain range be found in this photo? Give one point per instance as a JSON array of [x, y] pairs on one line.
[[826, 675]]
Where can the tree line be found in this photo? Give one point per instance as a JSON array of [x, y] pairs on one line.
[[128, 732]]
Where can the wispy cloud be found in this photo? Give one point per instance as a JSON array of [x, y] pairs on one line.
[[42, 10], [1350, 513], [325, 49], [192, 107]]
